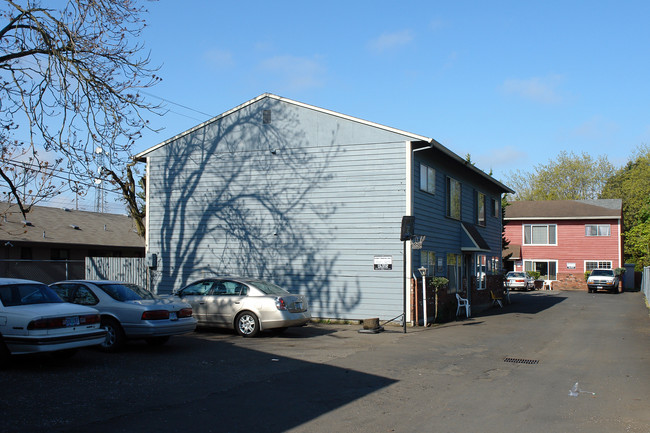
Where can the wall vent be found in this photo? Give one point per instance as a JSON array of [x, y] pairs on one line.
[[266, 117]]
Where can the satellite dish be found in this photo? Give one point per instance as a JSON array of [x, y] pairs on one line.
[[99, 150], [98, 181]]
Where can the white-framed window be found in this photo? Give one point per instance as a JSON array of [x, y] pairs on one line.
[[428, 260], [481, 271], [427, 179], [494, 265], [453, 198], [495, 209], [480, 208], [454, 262], [590, 265], [546, 268], [597, 230], [540, 234]]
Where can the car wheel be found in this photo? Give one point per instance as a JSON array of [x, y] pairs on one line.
[[247, 324], [157, 341], [114, 335]]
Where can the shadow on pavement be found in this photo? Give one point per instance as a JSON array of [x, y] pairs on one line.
[[190, 384], [526, 303]]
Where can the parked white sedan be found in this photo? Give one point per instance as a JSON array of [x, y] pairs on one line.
[[519, 280], [34, 319], [245, 304], [129, 312]]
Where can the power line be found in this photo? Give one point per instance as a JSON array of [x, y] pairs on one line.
[[179, 105]]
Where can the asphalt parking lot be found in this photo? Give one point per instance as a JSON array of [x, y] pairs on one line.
[[324, 378]]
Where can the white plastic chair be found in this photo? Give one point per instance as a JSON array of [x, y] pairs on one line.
[[462, 302]]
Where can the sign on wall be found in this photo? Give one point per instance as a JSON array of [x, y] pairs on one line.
[[383, 263]]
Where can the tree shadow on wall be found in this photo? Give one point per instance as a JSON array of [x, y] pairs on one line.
[[239, 196]]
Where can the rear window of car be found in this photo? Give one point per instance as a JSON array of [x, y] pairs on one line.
[[269, 288], [515, 275], [27, 294], [126, 292]]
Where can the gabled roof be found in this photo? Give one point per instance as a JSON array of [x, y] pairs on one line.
[[564, 209], [64, 226], [424, 141]]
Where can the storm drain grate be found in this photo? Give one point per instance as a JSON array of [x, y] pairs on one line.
[[521, 361]]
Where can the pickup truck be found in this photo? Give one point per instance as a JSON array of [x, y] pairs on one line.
[[602, 279]]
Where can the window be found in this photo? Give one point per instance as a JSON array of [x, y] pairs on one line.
[[481, 271], [493, 265], [480, 208], [546, 268], [454, 271], [495, 208], [540, 234], [603, 264], [597, 230], [428, 260], [453, 198], [427, 179]]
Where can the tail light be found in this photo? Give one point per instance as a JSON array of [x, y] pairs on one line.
[[155, 315], [185, 312], [63, 322], [280, 304]]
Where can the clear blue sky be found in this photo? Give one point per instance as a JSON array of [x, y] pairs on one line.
[[510, 82]]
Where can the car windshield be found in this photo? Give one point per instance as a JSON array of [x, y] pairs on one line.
[[602, 273], [26, 294], [516, 275], [269, 288], [126, 292]]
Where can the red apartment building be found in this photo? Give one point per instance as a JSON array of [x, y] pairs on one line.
[[562, 239]]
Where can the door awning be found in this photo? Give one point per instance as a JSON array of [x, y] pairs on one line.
[[471, 239]]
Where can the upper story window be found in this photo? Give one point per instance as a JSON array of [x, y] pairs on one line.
[[540, 234], [427, 179], [453, 198], [495, 208], [597, 230], [480, 208]]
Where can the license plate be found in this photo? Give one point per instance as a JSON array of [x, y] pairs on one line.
[[599, 287], [71, 321], [173, 315]]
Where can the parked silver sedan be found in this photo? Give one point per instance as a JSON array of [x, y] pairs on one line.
[[129, 311], [519, 280], [245, 304]]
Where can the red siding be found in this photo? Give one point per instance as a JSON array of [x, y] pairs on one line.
[[572, 245]]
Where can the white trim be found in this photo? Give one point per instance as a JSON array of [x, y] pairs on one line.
[[557, 270], [584, 264], [409, 157], [146, 213], [523, 235]]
